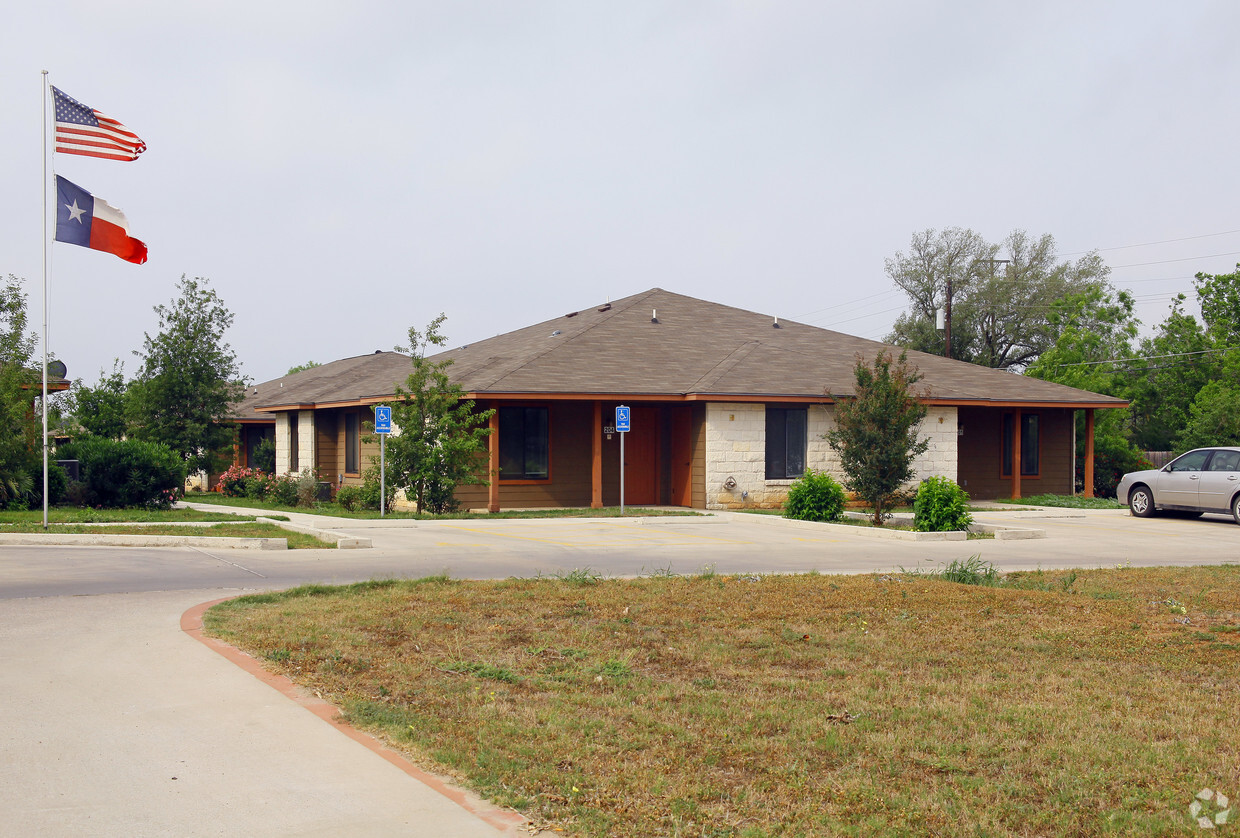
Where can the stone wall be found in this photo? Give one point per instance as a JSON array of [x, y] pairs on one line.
[[736, 453]]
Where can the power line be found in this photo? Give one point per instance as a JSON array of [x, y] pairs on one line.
[[1151, 244], [1147, 358]]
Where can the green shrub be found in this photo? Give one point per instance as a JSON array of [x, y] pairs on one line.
[[257, 486], [307, 488], [941, 506], [265, 455], [283, 490], [128, 472], [815, 497], [349, 497]]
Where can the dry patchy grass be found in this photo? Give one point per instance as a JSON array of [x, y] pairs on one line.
[[1082, 704]]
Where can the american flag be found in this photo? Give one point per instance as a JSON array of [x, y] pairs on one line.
[[81, 129]]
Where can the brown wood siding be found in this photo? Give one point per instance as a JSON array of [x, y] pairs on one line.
[[326, 447], [571, 426], [698, 425], [980, 453]]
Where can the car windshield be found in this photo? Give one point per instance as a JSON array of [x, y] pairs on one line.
[[1192, 461]]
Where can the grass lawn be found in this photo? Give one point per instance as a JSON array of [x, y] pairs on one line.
[[87, 515], [252, 529], [1094, 702], [335, 510], [1066, 501]]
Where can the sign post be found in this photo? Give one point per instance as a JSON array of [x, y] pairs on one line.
[[622, 428], [383, 427]]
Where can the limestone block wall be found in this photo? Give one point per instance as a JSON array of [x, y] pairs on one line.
[[285, 428], [283, 433], [736, 453]]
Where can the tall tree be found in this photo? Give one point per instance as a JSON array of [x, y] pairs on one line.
[[876, 430], [440, 441], [1095, 331], [1219, 295], [1174, 364], [1000, 308], [101, 410], [18, 434], [190, 377]]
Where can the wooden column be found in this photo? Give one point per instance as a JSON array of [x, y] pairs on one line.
[[1016, 455], [1089, 452], [493, 463], [596, 462]]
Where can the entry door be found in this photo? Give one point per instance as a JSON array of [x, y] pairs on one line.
[[1181, 484], [641, 457], [1218, 484], [682, 456]]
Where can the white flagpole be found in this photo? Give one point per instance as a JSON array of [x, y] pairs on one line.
[[43, 108]]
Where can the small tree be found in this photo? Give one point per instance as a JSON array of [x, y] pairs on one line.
[[100, 410], [189, 378], [19, 437], [876, 431], [441, 439]]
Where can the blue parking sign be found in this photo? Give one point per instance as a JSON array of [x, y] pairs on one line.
[[622, 419], [383, 419]]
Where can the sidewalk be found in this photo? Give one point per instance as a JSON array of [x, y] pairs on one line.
[[117, 723]]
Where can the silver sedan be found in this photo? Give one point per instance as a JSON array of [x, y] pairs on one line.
[[1203, 480]]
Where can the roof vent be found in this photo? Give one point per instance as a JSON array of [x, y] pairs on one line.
[[571, 314], [378, 351], [654, 315], [555, 333], [775, 325], [606, 307]]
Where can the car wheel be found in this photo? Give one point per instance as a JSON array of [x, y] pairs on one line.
[[1235, 508], [1141, 502]]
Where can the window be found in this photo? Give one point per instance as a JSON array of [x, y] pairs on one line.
[[524, 443], [292, 442], [352, 447], [785, 442], [1192, 461], [1029, 444]]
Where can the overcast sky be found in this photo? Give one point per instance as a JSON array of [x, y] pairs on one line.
[[343, 171]]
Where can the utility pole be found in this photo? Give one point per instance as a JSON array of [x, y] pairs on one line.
[[947, 308]]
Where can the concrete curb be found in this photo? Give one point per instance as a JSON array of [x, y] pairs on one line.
[[1001, 533], [103, 540], [343, 542]]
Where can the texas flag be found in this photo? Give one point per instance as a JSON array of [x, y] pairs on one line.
[[85, 220]]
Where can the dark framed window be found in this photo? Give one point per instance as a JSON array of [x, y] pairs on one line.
[[292, 442], [524, 443], [352, 442], [1030, 444], [785, 442]]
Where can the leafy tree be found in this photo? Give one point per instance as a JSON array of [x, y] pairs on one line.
[[1214, 415], [1000, 313], [100, 410], [1219, 295], [309, 365], [1095, 330], [876, 430], [20, 449], [1175, 364], [189, 377], [441, 438]]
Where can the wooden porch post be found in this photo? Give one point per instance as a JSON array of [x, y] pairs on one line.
[[493, 463], [1016, 455], [1089, 452], [596, 463]]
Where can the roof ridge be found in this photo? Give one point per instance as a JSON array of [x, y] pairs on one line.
[[725, 365]]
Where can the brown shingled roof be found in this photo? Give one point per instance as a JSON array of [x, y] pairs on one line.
[[661, 344]]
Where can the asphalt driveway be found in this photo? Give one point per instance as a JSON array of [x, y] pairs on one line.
[[116, 722]]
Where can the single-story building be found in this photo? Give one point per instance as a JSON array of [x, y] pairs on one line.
[[727, 408]]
